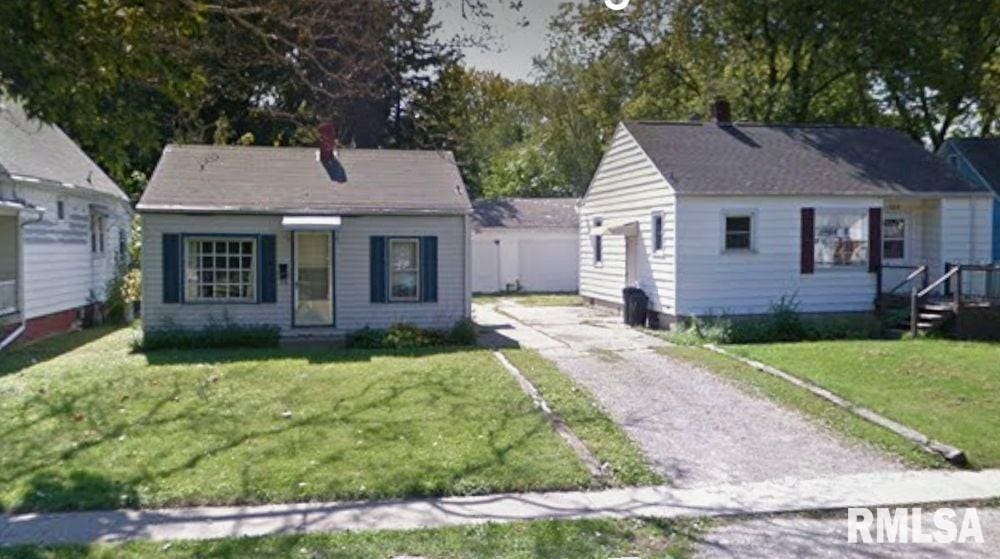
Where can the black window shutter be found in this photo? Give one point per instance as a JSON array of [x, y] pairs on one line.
[[378, 270], [808, 257], [429, 269], [268, 281], [171, 268], [874, 239]]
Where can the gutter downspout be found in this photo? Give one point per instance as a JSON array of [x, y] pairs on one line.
[[24, 320]]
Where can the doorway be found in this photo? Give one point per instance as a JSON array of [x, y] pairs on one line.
[[631, 260], [313, 279]]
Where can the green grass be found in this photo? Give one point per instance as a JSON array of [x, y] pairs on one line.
[[534, 299], [582, 414], [805, 402], [948, 390], [597, 539], [86, 424]]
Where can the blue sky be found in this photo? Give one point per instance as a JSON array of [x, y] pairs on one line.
[[516, 45]]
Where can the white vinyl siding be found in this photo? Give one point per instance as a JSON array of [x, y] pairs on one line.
[[351, 276], [711, 281], [60, 271], [628, 187]]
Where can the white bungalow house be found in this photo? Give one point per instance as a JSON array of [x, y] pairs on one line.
[[316, 242], [713, 218], [63, 227], [525, 244]]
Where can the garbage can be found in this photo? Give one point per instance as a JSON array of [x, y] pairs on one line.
[[636, 304]]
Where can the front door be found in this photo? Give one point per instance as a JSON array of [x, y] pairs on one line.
[[313, 280]]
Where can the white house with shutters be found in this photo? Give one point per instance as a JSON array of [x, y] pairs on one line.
[[316, 242], [64, 228], [721, 218]]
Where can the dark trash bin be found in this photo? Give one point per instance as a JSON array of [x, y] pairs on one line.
[[636, 304]]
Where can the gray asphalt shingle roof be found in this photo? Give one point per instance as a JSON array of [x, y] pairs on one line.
[[984, 155], [547, 213], [753, 159], [33, 149], [292, 180]]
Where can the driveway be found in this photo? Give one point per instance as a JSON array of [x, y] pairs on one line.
[[694, 427]]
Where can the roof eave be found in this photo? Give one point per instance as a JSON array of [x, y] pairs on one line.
[[345, 210]]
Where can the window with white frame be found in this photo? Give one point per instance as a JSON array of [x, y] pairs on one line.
[[738, 234], [894, 238], [657, 232], [221, 269], [96, 233], [404, 269], [597, 242], [841, 238]]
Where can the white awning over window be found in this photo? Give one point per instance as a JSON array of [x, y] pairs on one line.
[[628, 229], [311, 223]]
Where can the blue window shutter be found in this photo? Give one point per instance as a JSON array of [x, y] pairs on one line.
[[171, 268], [429, 269], [268, 280], [378, 270]]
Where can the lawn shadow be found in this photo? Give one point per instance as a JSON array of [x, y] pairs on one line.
[[313, 355], [77, 490], [21, 358]]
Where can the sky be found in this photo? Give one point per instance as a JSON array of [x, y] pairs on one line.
[[516, 45]]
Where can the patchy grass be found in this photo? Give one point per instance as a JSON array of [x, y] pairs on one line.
[[534, 299], [804, 401], [585, 417], [581, 539], [948, 390], [100, 427]]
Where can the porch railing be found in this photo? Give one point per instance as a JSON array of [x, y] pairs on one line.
[[8, 297], [963, 286]]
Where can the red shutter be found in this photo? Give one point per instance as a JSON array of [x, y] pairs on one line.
[[874, 239], [808, 240]]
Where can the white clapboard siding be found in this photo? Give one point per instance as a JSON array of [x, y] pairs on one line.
[[60, 270], [353, 309], [711, 281], [966, 236], [628, 187]]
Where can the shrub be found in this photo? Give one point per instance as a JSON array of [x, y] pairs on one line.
[[783, 323], [408, 336], [212, 336]]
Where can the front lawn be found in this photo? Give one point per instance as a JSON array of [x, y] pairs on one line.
[[100, 427], [596, 539], [534, 299], [949, 390]]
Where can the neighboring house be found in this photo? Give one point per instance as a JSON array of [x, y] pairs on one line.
[[316, 242], [718, 218], [978, 159], [64, 225], [525, 244]]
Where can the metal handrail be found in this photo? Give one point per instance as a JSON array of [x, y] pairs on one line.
[[920, 271], [937, 283]]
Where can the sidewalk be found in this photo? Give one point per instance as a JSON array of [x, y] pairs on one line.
[[777, 496]]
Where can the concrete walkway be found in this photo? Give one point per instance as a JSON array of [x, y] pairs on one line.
[[695, 427], [831, 493]]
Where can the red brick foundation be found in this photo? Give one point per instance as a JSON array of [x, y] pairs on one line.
[[42, 327]]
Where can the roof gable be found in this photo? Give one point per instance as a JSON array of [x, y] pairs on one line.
[[293, 180], [983, 154], [31, 148], [526, 213], [750, 159]]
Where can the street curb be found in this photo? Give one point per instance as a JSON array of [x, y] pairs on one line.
[[953, 455]]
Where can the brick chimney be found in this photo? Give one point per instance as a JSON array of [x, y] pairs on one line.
[[719, 109], [328, 134]]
